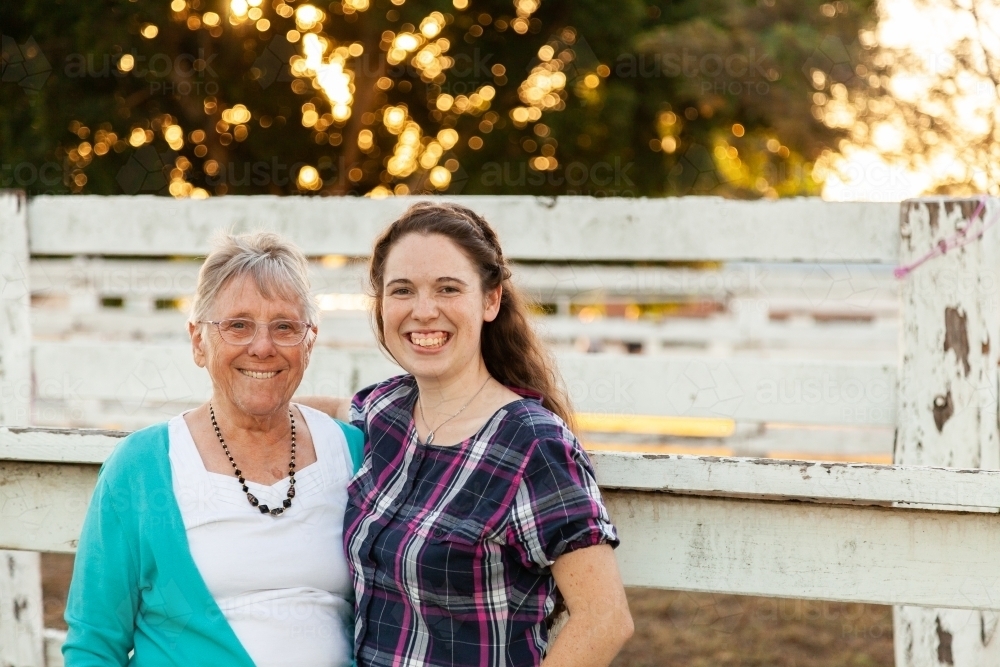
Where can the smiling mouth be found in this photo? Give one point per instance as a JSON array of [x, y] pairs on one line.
[[429, 341], [259, 375]]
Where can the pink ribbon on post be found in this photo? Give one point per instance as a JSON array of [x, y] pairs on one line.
[[959, 240]]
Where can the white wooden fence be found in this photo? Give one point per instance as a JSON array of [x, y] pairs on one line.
[[905, 535], [768, 341]]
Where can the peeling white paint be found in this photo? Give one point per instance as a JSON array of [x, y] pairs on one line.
[[948, 396]]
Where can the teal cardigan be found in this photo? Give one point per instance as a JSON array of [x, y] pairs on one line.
[[135, 584]]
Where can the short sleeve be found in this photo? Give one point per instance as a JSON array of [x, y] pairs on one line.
[[558, 506]]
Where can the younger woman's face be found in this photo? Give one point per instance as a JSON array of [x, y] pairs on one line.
[[433, 307]]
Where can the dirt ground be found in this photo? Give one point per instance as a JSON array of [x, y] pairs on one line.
[[705, 630], [693, 630], [57, 570]]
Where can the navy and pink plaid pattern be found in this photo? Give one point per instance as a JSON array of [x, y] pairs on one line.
[[450, 547]]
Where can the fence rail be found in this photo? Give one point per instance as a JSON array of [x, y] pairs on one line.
[[781, 528], [532, 228]]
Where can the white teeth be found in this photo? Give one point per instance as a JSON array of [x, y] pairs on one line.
[[436, 340], [257, 375]]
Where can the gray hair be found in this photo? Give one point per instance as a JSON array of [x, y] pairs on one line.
[[276, 265]]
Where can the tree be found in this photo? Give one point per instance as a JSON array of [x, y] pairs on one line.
[[370, 97], [938, 110], [744, 100]]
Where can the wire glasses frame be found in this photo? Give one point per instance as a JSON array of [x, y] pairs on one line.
[[239, 331]]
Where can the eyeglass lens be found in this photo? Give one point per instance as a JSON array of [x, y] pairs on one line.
[[283, 332]]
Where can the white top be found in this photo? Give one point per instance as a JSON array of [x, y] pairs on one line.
[[282, 582]]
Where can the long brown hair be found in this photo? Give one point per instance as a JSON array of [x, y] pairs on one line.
[[513, 354]]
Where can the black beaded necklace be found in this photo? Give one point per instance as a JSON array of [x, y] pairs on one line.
[[287, 502]]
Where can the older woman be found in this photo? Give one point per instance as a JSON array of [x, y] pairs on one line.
[[217, 537], [476, 510]]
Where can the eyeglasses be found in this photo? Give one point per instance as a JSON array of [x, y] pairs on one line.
[[286, 333]]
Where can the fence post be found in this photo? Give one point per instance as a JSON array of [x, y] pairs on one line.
[[15, 301], [21, 612], [947, 413]]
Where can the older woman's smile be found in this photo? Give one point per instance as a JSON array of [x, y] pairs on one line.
[[259, 375]]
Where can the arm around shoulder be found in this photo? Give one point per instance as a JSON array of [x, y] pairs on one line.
[[355, 444], [338, 408]]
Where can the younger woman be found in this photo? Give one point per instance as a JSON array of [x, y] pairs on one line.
[[476, 510]]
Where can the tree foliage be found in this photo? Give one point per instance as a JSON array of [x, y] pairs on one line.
[[550, 97], [938, 110]]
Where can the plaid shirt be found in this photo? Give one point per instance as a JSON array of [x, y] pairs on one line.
[[451, 547]]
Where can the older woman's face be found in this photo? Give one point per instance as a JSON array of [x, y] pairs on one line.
[[260, 378]]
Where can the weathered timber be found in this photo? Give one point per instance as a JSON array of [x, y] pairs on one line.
[[531, 228], [948, 394]]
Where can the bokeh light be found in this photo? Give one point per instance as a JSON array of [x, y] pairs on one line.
[[308, 178]]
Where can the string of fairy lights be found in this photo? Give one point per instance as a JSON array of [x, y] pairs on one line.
[[420, 158]]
